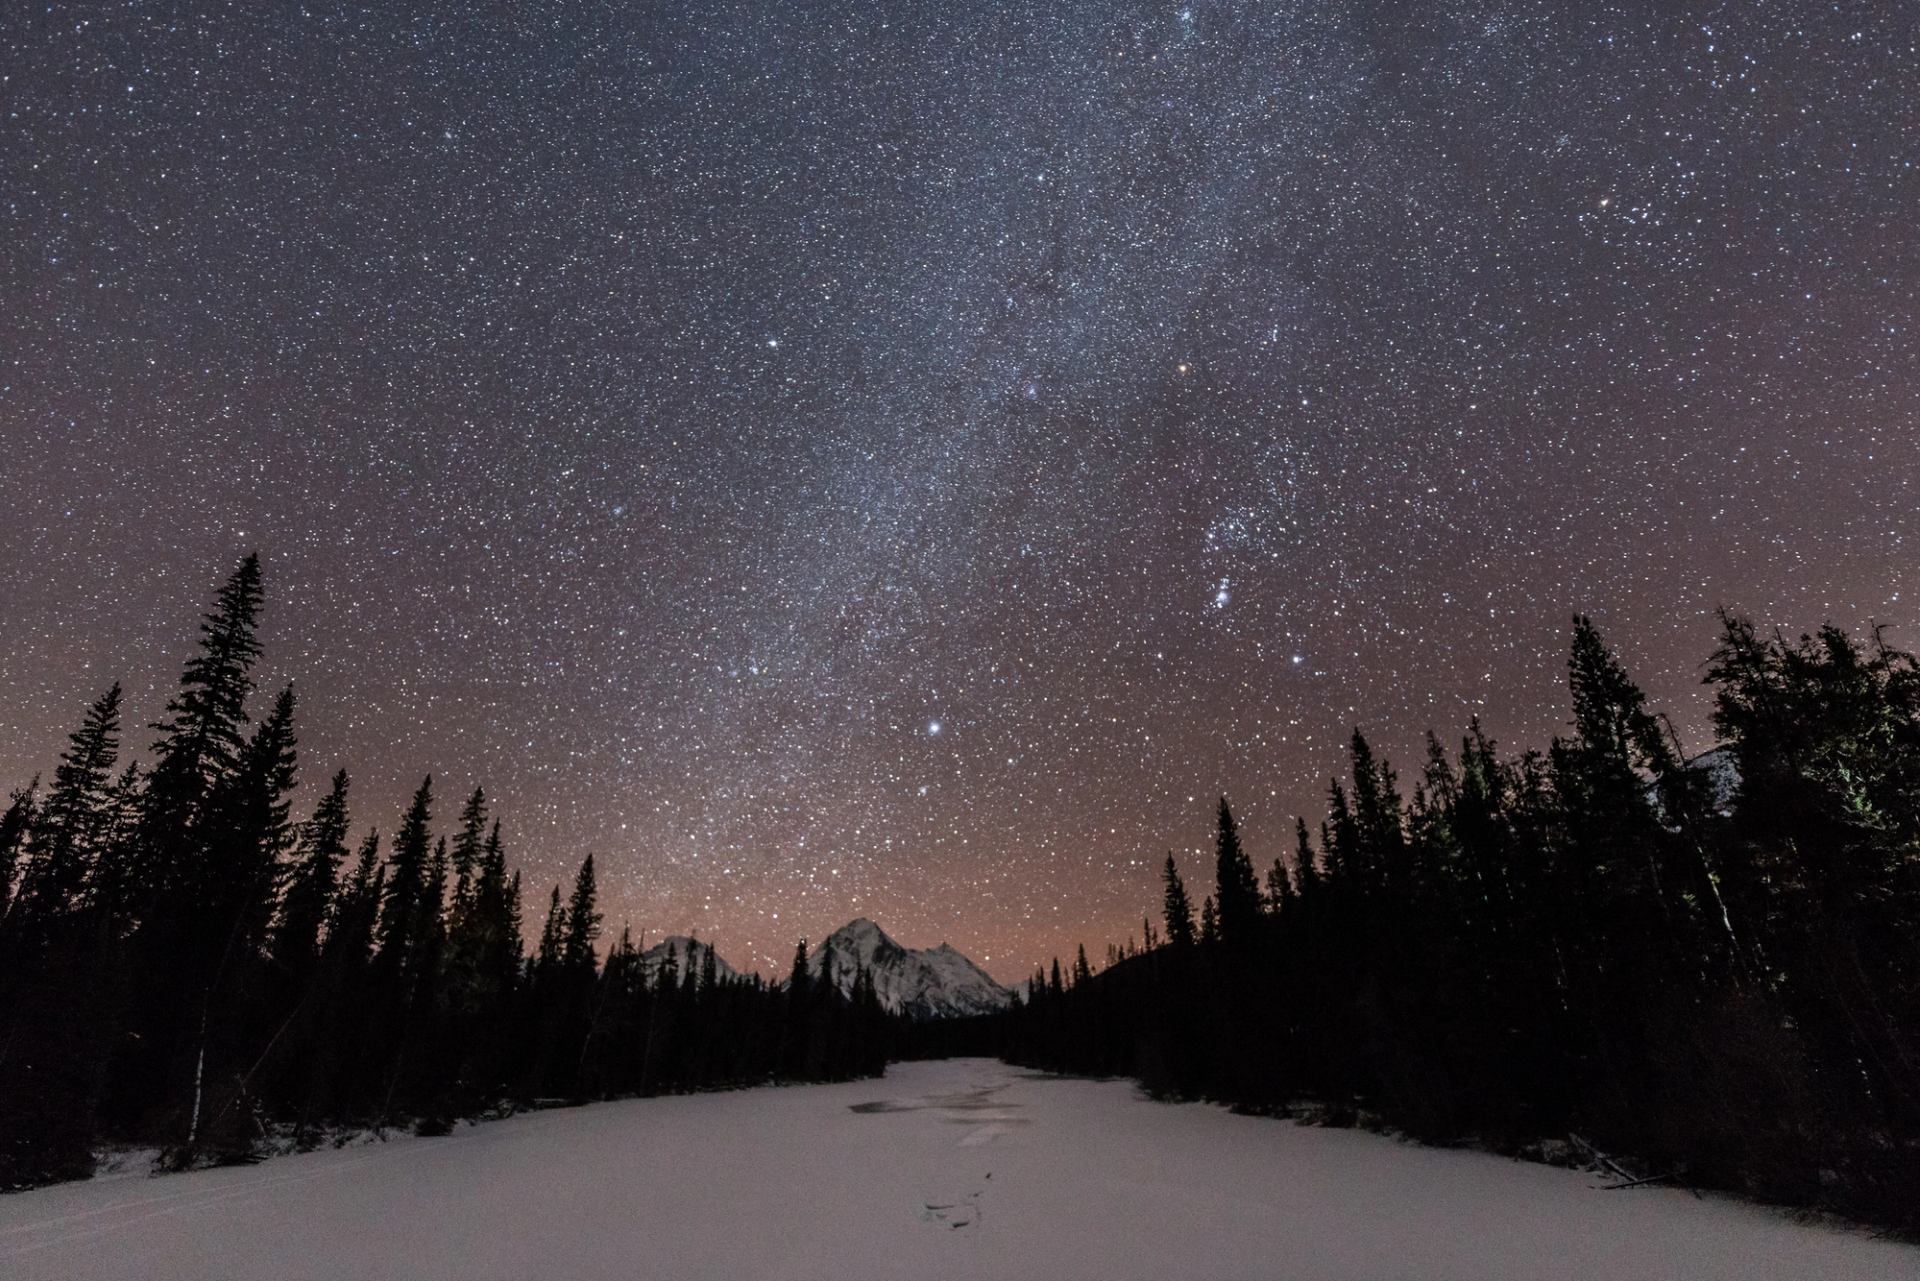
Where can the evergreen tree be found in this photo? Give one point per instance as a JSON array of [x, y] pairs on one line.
[[1178, 908], [203, 733], [547, 957], [798, 979], [310, 891], [1279, 887], [431, 926], [229, 888], [469, 846], [333, 1068], [111, 877], [1340, 845], [15, 823], [401, 912], [1237, 892], [483, 968], [1306, 870], [159, 883], [248, 836], [583, 923], [1378, 840], [67, 831]]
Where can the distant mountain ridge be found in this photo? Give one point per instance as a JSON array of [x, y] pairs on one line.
[[684, 951], [922, 983]]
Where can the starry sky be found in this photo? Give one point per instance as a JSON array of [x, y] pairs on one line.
[[905, 458]]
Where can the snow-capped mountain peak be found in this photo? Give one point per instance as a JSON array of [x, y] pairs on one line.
[[935, 982], [685, 951]]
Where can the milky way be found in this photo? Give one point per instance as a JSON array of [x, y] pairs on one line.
[[904, 459]]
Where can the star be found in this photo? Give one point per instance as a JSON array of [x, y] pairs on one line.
[[494, 375]]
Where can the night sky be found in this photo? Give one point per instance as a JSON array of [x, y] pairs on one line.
[[904, 459]]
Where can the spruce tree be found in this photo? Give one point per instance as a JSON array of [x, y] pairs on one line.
[[1237, 893], [203, 733], [1178, 909], [583, 922], [469, 845], [248, 836], [310, 891], [1378, 837], [67, 831], [430, 928], [547, 957], [250, 826], [229, 886], [1306, 870], [111, 878], [14, 826], [483, 966], [1339, 845], [400, 913], [1279, 887], [798, 979]]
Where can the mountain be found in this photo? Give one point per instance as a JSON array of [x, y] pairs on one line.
[[923, 983], [680, 947]]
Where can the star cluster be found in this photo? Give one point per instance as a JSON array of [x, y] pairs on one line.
[[904, 459]]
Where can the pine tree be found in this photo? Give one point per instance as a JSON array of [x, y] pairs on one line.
[[469, 845], [230, 886], [248, 836], [483, 967], [1339, 845], [583, 923], [400, 913], [160, 882], [310, 891], [1081, 971], [1279, 887], [498, 899], [111, 883], [1306, 870], [798, 979], [431, 925], [66, 835], [1178, 908], [15, 823], [1376, 856], [347, 964], [1237, 892], [547, 957], [358, 908], [203, 733]]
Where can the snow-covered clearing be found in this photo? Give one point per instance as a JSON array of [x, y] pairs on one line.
[[951, 1170]]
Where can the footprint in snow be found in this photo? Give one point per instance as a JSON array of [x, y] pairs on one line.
[[963, 1213]]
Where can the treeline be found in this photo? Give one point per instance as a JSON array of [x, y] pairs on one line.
[[183, 963], [1710, 967]]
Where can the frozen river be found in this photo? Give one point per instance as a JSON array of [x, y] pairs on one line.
[[951, 1170]]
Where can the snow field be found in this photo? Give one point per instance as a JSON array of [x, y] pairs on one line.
[[952, 1170]]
